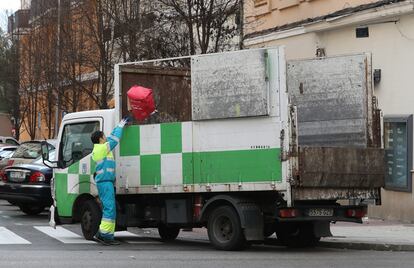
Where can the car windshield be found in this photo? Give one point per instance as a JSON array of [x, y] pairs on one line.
[[29, 150], [51, 157]]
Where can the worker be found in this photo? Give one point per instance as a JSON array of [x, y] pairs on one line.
[[105, 180]]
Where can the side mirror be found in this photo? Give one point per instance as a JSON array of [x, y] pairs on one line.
[[77, 151], [45, 155], [45, 151]]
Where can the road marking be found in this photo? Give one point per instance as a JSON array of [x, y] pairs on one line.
[[6, 216], [7, 237], [63, 235], [132, 238]]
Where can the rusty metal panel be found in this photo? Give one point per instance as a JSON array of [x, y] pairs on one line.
[[329, 167], [229, 85], [171, 88], [335, 193], [333, 100]]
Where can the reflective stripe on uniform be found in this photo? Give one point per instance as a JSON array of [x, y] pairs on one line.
[[114, 138], [107, 226], [110, 169], [100, 171]]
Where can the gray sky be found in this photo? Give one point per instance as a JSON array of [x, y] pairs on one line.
[[8, 6]]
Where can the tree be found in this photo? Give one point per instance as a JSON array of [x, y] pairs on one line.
[[9, 80]]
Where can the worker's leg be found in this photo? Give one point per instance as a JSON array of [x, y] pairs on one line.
[[107, 196]]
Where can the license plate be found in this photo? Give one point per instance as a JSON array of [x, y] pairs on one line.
[[17, 176], [320, 212]]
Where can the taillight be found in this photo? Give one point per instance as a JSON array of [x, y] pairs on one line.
[[288, 213], [3, 176], [10, 163], [37, 177], [356, 212]]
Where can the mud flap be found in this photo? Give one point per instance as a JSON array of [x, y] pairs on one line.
[[322, 228], [252, 222]]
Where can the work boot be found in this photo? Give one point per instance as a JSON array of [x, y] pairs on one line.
[[101, 240], [113, 242]]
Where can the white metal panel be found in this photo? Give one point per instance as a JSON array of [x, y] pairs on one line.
[[150, 139], [236, 134], [331, 94], [171, 169], [129, 170], [187, 137], [229, 85]]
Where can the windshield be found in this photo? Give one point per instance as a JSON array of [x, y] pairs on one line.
[[29, 150], [4, 154]]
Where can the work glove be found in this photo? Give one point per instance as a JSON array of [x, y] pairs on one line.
[[127, 119]]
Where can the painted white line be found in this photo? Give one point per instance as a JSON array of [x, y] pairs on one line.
[[7, 237], [132, 238], [63, 235], [6, 216]]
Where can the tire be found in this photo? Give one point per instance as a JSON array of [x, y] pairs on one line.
[[32, 209], [297, 235], [91, 215], [168, 233], [12, 203], [224, 229]]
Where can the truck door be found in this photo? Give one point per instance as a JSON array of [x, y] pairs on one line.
[[75, 175]]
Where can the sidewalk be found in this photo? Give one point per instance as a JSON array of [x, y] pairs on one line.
[[371, 235]]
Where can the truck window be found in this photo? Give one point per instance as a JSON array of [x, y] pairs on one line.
[[77, 133]]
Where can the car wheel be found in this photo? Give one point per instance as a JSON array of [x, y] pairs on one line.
[[91, 215], [224, 229], [12, 203], [168, 233], [32, 209]]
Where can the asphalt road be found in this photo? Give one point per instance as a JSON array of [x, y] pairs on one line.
[[28, 241]]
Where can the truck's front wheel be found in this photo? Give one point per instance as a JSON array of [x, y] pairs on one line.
[[224, 229], [90, 217]]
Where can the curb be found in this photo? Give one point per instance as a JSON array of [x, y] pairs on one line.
[[366, 246]]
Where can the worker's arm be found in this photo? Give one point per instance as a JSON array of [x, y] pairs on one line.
[[116, 134]]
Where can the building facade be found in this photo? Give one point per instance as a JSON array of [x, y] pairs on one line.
[[384, 28]]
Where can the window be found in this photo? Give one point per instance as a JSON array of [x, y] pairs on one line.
[[10, 141], [28, 150], [75, 134], [398, 152]]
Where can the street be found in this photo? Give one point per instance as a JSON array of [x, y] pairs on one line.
[[28, 240]]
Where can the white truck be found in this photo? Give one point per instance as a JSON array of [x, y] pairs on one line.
[[244, 143]]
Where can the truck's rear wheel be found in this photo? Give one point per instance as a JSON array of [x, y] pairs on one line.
[[90, 218], [224, 229], [297, 234], [168, 233]]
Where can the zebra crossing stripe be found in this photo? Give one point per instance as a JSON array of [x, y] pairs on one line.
[[132, 238], [63, 235], [7, 237]]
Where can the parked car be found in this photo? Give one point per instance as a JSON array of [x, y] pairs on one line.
[[7, 150], [9, 140], [26, 153], [28, 186]]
